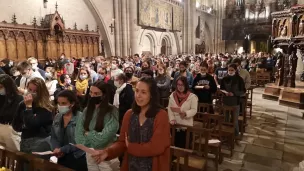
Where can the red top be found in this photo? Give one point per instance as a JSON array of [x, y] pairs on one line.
[[158, 147]]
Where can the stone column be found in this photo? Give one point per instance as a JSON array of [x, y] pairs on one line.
[[299, 64], [134, 28], [185, 28], [268, 9], [257, 9], [117, 28], [192, 26], [124, 27], [247, 6]]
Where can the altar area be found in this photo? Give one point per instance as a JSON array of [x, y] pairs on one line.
[[287, 34]]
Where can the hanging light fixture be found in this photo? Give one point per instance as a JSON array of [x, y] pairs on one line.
[[45, 3]]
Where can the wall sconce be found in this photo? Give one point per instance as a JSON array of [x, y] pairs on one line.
[[112, 26], [45, 3]]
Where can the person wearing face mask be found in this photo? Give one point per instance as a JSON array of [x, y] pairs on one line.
[[65, 83], [114, 69], [27, 73], [183, 72], [123, 97], [51, 81], [243, 73], [34, 118], [97, 126], [163, 82], [82, 85], [181, 109], [234, 87], [9, 99], [131, 79], [34, 63], [103, 75], [16, 76], [63, 132], [221, 72], [69, 65], [204, 85]]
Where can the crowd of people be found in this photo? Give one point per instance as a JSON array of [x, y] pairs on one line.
[[112, 105]]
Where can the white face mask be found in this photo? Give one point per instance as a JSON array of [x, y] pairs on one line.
[[117, 84], [48, 75], [101, 77], [113, 66], [63, 109], [231, 74], [203, 74], [2, 92], [34, 66], [83, 77]]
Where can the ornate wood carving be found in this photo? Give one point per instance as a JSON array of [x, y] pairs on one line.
[[47, 40]]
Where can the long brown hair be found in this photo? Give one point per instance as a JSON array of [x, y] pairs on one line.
[[43, 95], [104, 108]]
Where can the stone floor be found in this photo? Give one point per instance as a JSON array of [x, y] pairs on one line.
[[274, 139]]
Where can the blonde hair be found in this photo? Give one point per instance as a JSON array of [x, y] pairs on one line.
[[42, 94], [32, 59]]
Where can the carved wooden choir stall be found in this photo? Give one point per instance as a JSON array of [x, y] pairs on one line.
[[48, 40], [287, 34]]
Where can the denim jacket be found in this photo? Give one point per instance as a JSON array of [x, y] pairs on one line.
[[189, 79], [57, 135]]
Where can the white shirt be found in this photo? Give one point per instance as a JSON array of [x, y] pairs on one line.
[[24, 81]]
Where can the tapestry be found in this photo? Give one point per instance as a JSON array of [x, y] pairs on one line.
[[178, 17], [155, 13]]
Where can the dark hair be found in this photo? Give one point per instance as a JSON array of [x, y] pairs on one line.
[[154, 105], [104, 108], [62, 78], [122, 77], [23, 66], [237, 61], [137, 55], [184, 63], [184, 81], [72, 98], [233, 65], [10, 86], [204, 64]]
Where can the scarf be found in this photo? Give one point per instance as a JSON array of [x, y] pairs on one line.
[[116, 96], [180, 98], [81, 86]]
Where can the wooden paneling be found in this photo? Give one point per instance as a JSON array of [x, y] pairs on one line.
[[79, 47], [11, 46], [96, 46], [73, 47], [85, 47], [2, 46], [21, 47], [48, 39], [91, 48], [30, 45]]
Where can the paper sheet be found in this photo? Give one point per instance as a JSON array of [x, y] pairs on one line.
[[43, 153], [176, 109], [224, 91], [84, 148], [213, 141]]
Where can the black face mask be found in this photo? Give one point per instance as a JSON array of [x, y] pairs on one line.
[[95, 100], [129, 75]]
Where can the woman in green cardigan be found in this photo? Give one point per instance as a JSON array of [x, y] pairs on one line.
[[98, 125]]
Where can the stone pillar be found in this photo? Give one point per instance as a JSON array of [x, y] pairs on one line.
[[247, 6], [192, 26], [257, 9], [268, 10], [124, 27], [299, 64], [185, 28], [134, 28], [117, 28]]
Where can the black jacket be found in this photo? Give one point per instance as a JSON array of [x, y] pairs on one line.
[[126, 99], [33, 123], [204, 95], [234, 84], [8, 108]]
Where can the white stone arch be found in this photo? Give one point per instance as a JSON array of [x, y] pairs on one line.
[[105, 36], [151, 36], [169, 43]]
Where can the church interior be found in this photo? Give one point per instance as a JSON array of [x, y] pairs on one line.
[[238, 64]]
